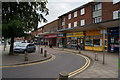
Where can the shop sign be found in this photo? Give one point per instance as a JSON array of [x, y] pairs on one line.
[[50, 36], [61, 35], [77, 34]]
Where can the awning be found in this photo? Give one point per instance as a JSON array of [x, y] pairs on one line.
[[95, 26]]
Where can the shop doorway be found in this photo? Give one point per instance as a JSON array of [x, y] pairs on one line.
[[80, 42], [113, 40]]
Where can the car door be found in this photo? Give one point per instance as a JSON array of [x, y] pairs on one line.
[[29, 48]]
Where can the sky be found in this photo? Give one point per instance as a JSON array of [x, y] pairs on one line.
[[59, 7]]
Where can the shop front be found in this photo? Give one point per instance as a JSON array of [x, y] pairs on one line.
[[61, 40], [51, 39], [113, 39], [96, 40], [73, 39]]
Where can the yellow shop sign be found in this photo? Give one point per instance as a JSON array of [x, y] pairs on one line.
[[76, 34]]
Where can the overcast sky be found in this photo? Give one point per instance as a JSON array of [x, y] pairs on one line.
[[59, 7]]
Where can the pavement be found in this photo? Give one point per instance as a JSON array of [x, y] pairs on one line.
[[18, 59], [97, 68]]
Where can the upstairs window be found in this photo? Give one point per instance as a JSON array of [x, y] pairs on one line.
[[69, 25], [75, 14], [82, 22], [115, 14], [97, 19], [75, 24], [63, 23], [97, 7], [82, 11], [63, 19], [69, 16]]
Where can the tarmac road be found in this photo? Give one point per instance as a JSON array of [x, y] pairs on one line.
[[63, 62]]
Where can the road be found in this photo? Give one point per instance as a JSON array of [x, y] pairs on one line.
[[64, 62]]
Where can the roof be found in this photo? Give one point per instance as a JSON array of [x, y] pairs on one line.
[[49, 23]]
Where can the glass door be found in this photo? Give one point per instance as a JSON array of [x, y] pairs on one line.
[[80, 43]]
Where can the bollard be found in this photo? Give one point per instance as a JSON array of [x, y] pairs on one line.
[[63, 76], [41, 50], [26, 56], [79, 50], [45, 53], [62, 47], [96, 56]]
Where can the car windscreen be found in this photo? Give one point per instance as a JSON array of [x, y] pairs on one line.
[[22, 45]]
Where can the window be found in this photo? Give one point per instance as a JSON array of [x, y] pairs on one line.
[[97, 7], [63, 19], [69, 25], [82, 22], [88, 41], [97, 19], [75, 24], [115, 14], [82, 11], [96, 42], [69, 16], [63, 23], [75, 14]]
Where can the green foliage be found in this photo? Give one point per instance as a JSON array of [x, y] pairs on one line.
[[22, 17], [13, 29]]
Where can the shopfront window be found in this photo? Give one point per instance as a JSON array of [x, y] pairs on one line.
[[89, 41], [96, 42]]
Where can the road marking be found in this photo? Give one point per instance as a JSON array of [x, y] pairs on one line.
[[53, 57], [82, 68]]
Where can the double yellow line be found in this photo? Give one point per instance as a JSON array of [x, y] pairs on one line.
[[82, 68], [53, 57]]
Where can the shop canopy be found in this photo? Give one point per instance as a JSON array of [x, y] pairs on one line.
[[95, 26]]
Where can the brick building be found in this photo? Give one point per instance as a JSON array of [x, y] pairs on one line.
[[50, 33], [93, 26]]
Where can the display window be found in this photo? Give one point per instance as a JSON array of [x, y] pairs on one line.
[[96, 42], [88, 41]]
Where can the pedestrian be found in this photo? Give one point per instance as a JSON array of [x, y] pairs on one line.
[[58, 44], [78, 46], [50, 45]]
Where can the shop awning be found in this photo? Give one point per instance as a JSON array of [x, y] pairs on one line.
[[95, 26]]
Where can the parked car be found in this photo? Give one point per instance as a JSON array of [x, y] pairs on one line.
[[24, 47]]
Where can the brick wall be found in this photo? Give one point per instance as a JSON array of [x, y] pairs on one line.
[[107, 10], [51, 24], [107, 13]]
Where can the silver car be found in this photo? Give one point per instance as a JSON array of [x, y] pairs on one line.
[[24, 47]]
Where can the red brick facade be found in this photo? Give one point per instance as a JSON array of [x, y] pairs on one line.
[[107, 14], [107, 10], [52, 26]]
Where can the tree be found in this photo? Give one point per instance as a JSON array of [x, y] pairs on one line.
[[19, 18]]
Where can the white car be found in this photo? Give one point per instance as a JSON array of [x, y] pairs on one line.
[[24, 47]]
